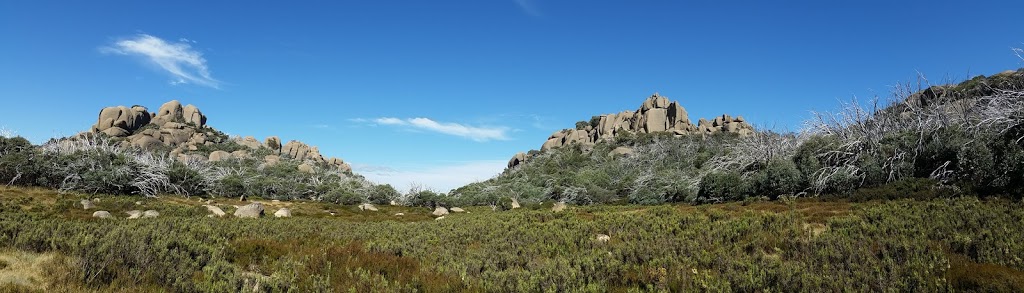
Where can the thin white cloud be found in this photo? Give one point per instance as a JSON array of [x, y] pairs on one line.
[[439, 177], [389, 121], [471, 132], [185, 64]]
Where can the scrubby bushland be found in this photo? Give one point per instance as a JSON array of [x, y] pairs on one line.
[[956, 139], [95, 164], [940, 245]]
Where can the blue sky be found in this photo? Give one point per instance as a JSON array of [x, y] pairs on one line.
[[442, 93]]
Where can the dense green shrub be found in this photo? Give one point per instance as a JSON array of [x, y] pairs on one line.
[[721, 186], [779, 177], [382, 194]]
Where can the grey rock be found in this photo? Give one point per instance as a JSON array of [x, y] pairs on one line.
[[439, 211], [283, 213], [252, 210], [134, 214]]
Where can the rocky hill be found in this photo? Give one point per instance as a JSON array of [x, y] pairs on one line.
[[656, 115], [183, 132]]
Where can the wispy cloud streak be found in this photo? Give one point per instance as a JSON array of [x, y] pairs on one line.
[[475, 133], [185, 64]]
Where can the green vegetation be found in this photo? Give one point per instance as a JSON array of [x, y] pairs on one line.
[[803, 245], [942, 142]]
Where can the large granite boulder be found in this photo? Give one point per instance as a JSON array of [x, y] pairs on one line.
[[439, 211], [169, 112], [283, 213], [252, 210], [191, 114], [274, 143]]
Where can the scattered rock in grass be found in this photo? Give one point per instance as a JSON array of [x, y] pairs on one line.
[[215, 211], [400, 214], [515, 203], [150, 214], [440, 211], [138, 203], [394, 203], [367, 207], [275, 201], [252, 210], [438, 218], [96, 199], [457, 210], [102, 215], [603, 238], [87, 204], [283, 213], [135, 214], [558, 207]]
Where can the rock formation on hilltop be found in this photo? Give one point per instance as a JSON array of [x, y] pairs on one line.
[[183, 130], [656, 115]]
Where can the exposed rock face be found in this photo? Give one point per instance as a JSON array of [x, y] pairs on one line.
[[301, 151], [250, 142], [274, 143], [252, 210], [283, 213], [656, 115], [219, 156], [191, 114], [121, 121], [183, 129], [102, 215], [516, 160]]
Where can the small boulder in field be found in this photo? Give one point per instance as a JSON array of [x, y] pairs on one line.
[[87, 204], [102, 215], [283, 213], [138, 203], [150, 214], [400, 214], [603, 238], [457, 210], [96, 199], [440, 211], [134, 214], [367, 207], [215, 211], [252, 210], [438, 218], [558, 207]]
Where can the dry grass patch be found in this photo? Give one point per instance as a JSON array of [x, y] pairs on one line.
[[26, 270]]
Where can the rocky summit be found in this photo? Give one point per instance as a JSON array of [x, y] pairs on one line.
[[183, 130], [656, 115]]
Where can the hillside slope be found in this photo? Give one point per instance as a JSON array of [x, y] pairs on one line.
[[939, 141]]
